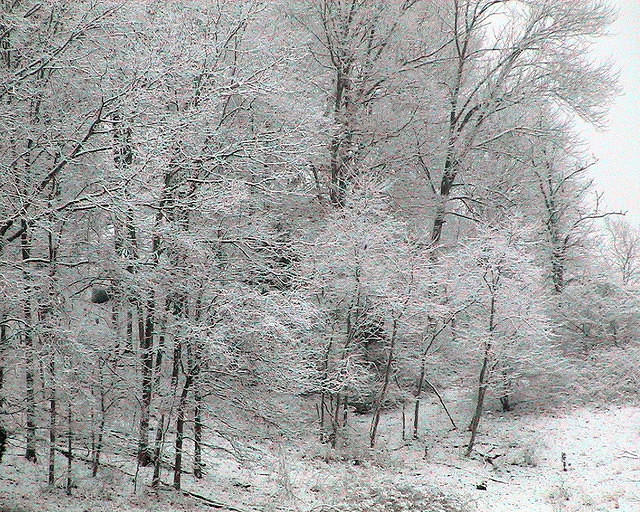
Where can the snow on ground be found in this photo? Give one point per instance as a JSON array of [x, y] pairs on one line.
[[601, 446]]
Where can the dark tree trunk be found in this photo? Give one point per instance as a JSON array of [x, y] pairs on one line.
[[129, 342], [30, 451], [103, 413], [338, 183], [159, 353], [69, 449], [182, 404], [383, 392], [335, 419], [3, 441], [197, 435], [475, 420], [448, 179], [3, 344], [345, 410], [3, 347], [52, 422], [179, 309], [157, 453], [482, 380], [418, 394], [44, 312], [505, 399], [323, 394], [198, 466], [321, 414], [557, 270], [146, 332]]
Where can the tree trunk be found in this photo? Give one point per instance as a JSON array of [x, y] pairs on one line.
[[450, 168], [198, 466], [505, 399], [482, 380], [387, 374], [69, 448], [345, 410], [321, 414], [3, 347], [159, 353], [3, 441], [145, 329], [103, 413], [338, 181], [416, 411], [52, 422], [448, 179], [179, 304], [475, 421], [197, 435], [30, 452], [557, 270], [129, 347], [3, 344], [45, 312], [323, 394], [157, 453], [182, 404], [335, 419]]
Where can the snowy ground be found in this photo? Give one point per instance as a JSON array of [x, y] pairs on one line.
[[601, 446], [602, 450], [603, 468]]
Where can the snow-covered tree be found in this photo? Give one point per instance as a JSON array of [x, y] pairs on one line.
[[505, 329]]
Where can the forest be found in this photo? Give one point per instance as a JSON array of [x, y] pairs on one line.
[[248, 241]]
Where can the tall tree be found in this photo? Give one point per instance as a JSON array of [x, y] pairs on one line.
[[505, 58]]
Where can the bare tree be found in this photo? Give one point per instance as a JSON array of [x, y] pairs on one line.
[[624, 251], [570, 203], [502, 321], [359, 48], [497, 70]]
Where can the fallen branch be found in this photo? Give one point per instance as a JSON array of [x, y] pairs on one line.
[[477, 473], [490, 458], [212, 503], [441, 402]]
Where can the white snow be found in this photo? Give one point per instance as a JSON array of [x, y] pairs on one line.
[[602, 448]]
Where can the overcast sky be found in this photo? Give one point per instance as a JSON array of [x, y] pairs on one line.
[[617, 173]]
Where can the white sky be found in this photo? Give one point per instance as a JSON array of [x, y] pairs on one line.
[[617, 173]]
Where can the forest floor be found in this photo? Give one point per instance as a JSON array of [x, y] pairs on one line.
[[526, 472]]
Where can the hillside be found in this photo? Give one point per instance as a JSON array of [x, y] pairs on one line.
[[526, 473]]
